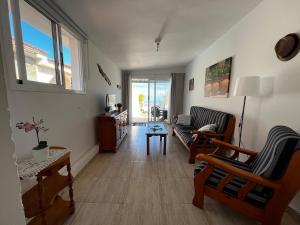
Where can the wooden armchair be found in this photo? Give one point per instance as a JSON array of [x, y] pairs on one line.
[[262, 186]]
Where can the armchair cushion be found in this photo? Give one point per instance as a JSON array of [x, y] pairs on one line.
[[272, 161], [257, 197], [233, 162]]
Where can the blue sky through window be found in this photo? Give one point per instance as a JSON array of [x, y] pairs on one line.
[[162, 89], [38, 39]]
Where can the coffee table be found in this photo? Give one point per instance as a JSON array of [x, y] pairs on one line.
[[156, 129]]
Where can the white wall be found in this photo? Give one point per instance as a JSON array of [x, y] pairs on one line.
[[251, 42], [11, 211], [160, 73], [69, 117]]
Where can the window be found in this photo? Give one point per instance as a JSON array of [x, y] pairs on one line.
[[38, 45], [12, 31], [71, 58], [51, 53]]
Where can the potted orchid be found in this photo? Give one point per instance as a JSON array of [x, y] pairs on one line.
[[40, 152]]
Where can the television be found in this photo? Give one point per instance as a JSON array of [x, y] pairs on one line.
[[110, 102]]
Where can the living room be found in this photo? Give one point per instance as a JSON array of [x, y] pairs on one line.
[[151, 43]]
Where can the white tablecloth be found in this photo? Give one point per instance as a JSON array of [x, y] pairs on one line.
[[28, 169]]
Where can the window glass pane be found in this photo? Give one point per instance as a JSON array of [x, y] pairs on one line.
[[38, 45], [12, 32], [72, 60]]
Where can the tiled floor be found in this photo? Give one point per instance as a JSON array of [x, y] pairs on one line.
[[131, 188]]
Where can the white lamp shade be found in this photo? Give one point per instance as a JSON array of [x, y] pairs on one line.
[[247, 86]]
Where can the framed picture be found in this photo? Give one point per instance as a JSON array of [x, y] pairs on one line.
[[191, 84], [217, 79]]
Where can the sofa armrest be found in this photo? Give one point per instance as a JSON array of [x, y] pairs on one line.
[[174, 119]]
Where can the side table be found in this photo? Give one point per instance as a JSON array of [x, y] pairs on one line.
[[42, 204]]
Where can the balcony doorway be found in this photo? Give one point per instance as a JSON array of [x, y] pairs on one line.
[[150, 100]]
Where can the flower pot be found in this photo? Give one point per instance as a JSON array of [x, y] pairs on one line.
[[40, 155]]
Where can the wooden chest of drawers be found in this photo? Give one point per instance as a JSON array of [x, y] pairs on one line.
[[111, 130]]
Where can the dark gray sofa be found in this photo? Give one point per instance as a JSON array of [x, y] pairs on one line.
[[200, 117]]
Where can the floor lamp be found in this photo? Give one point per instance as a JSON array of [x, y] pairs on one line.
[[246, 86]]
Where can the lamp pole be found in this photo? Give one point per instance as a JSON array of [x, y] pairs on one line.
[[242, 121]]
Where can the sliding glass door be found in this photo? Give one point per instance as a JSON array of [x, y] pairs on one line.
[[150, 100]]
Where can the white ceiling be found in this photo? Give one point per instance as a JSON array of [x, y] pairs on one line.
[[125, 30]]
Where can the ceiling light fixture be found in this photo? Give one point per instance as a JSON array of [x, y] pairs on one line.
[[157, 41]]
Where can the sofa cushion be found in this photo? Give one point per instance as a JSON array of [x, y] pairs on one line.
[[184, 120], [257, 197], [212, 128], [199, 116], [202, 116], [219, 118], [185, 132], [272, 161]]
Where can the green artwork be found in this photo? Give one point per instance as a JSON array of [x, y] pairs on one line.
[[217, 79]]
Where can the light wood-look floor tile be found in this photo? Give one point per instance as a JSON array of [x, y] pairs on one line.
[[177, 190], [109, 190], [132, 188], [97, 214], [184, 214], [142, 214], [143, 190]]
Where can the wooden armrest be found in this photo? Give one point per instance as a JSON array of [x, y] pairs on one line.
[[56, 147], [174, 119], [233, 147], [210, 134], [238, 172]]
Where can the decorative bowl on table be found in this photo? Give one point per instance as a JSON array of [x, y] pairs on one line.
[[155, 128]]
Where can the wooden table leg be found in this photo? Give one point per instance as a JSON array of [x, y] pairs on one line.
[[72, 205], [148, 150], [165, 144], [41, 199]]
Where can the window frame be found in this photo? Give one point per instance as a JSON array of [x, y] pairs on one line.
[[57, 18]]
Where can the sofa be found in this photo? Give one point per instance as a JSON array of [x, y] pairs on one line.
[[200, 117]]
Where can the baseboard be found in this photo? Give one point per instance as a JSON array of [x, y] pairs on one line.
[[84, 160], [77, 166]]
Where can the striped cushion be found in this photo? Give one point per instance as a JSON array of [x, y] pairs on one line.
[[199, 116], [272, 161], [203, 116], [219, 118], [185, 132], [236, 163], [257, 197]]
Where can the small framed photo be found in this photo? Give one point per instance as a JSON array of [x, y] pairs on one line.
[[191, 84]]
